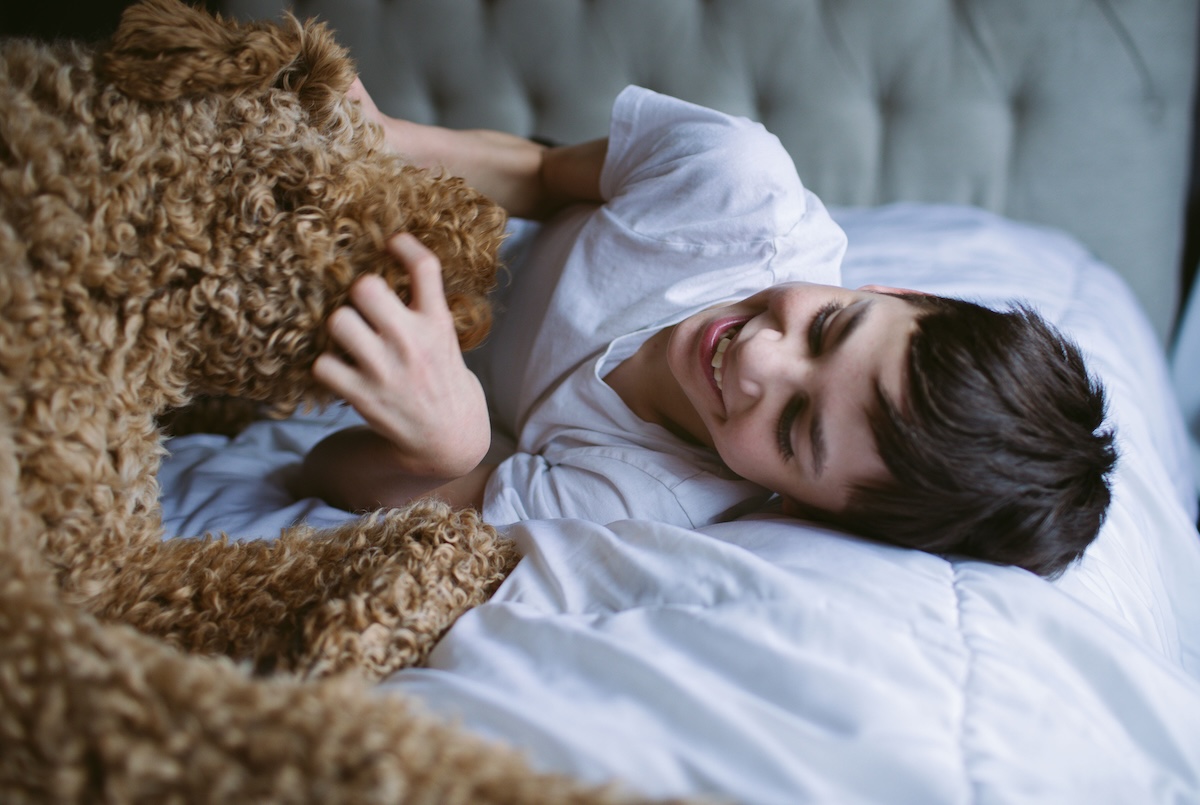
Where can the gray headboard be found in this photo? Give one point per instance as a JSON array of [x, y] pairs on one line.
[[1074, 113]]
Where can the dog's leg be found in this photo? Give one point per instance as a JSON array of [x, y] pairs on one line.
[[98, 713], [373, 595], [92, 713]]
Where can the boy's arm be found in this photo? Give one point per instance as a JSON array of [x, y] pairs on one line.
[[354, 469], [528, 179]]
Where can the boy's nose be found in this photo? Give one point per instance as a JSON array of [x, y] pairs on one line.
[[767, 356]]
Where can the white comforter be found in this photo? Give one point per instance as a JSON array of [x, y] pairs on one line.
[[767, 662]]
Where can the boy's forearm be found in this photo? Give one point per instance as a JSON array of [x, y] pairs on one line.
[[354, 469], [571, 174], [528, 179]]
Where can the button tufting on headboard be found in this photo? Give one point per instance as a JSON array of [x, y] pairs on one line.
[[1074, 113]]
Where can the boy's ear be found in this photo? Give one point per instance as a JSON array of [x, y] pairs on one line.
[[891, 290], [790, 507]]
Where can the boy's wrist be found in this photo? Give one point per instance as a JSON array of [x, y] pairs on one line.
[[457, 449], [434, 465]]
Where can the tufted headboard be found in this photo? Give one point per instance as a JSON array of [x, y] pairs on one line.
[[1074, 113]]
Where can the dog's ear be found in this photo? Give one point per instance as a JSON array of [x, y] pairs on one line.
[[165, 49], [321, 74]]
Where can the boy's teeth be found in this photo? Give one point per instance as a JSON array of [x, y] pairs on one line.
[[719, 356]]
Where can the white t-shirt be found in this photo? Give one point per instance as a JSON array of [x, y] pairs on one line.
[[700, 209]]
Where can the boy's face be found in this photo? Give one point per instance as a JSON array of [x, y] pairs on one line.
[[781, 383]]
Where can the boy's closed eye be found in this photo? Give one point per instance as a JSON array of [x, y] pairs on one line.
[[817, 335]]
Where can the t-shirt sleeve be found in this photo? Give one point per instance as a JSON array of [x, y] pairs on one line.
[[676, 171]]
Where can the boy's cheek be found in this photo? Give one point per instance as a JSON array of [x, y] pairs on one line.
[[732, 448]]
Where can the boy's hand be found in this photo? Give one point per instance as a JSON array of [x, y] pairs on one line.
[[403, 371]]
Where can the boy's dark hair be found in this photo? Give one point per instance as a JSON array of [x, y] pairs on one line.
[[997, 452]]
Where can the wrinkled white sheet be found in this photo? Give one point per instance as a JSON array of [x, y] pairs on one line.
[[769, 662]]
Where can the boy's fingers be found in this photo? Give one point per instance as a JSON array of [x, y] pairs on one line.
[[349, 331], [335, 374], [346, 382], [425, 270], [375, 301]]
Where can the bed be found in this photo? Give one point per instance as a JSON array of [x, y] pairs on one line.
[[983, 149]]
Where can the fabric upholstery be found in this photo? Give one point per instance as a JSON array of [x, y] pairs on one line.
[[1073, 113]]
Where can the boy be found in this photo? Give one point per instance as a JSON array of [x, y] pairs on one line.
[[682, 351]]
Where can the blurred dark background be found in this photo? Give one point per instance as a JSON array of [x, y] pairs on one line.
[[91, 19], [96, 19]]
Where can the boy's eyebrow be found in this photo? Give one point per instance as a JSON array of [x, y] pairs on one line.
[[816, 428]]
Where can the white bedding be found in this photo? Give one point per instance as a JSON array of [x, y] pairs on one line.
[[769, 662]]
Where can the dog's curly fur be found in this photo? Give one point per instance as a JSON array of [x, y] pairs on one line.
[[179, 212]]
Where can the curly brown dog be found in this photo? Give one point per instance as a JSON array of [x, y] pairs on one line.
[[179, 212]]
